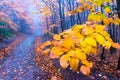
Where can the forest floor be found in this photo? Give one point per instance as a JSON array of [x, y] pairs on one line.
[[24, 64]]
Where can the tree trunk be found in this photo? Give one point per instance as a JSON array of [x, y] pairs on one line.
[[61, 13], [118, 6]]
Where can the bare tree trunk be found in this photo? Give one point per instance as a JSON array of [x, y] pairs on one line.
[[47, 23], [118, 6], [61, 12]]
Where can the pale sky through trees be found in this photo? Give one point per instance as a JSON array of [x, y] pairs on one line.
[[27, 10]]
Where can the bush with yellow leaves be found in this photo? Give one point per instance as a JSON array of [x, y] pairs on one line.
[[74, 45]]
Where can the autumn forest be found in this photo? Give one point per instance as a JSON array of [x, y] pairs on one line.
[[59, 39]]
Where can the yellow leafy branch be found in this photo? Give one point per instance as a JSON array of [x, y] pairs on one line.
[[74, 45]]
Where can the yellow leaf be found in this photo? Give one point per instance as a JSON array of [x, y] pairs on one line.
[[92, 9], [71, 53], [107, 21], [91, 16], [107, 44], [55, 52], [67, 43], [77, 35], [107, 9], [98, 2], [64, 61], [108, 38], [87, 6], [88, 0], [56, 37], [79, 27], [99, 28], [99, 38], [83, 43], [116, 21], [64, 49], [77, 41], [94, 17], [89, 23], [94, 51], [81, 1], [108, 1], [74, 62], [87, 49], [87, 63], [79, 54], [102, 15], [85, 70], [105, 33], [80, 9], [87, 30], [90, 41]]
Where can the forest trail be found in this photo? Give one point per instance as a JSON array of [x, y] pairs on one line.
[[20, 64]]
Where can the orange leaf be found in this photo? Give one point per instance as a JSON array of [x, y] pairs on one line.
[[64, 61], [94, 51], [87, 30], [85, 70], [80, 9], [54, 56], [45, 52], [54, 43], [74, 11], [41, 46], [67, 43], [107, 21], [115, 45], [55, 52], [47, 43], [87, 63], [74, 62], [38, 50]]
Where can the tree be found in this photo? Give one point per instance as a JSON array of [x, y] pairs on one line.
[[118, 6]]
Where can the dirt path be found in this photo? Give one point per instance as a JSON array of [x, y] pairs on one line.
[[20, 64]]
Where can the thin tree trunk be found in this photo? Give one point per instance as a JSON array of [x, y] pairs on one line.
[[47, 22], [118, 6]]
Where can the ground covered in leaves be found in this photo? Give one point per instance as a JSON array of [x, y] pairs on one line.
[[51, 72], [108, 65], [8, 49], [19, 65]]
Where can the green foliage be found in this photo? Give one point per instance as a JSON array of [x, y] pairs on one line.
[[6, 33], [2, 23]]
